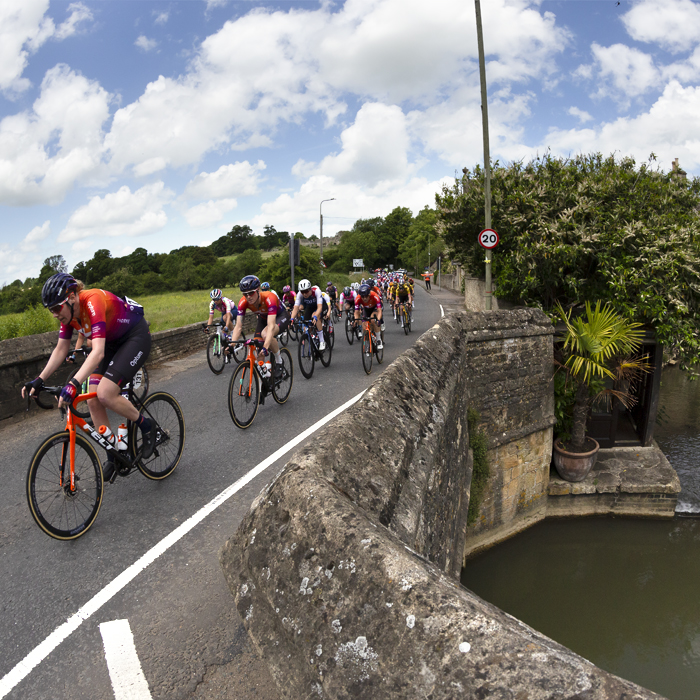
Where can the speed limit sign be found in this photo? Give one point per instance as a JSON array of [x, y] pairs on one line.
[[488, 238]]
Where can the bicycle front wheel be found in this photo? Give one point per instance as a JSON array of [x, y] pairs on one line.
[[326, 354], [61, 512], [331, 334], [307, 360], [243, 395], [215, 354], [349, 330], [366, 352], [283, 338], [282, 385], [406, 326], [165, 411]]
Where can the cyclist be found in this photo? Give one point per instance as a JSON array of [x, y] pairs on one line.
[[228, 309], [347, 300], [332, 292], [370, 303], [121, 343], [288, 296], [272, 317], [404, 296], [315, 307], [265, 287]]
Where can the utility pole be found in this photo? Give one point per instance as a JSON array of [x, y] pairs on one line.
[[487, 155], [320, 211]]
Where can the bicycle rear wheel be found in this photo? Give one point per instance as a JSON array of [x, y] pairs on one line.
[[239, 351], [307, 361], [215, 354], [282, 385], [292, 330], [326, 354], [406, 327], [331, 334], [243, 395], [366, 352], [60, 512], [349, 330], [165, 411]]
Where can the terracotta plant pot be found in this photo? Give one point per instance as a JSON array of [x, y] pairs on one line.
[[574, 466]]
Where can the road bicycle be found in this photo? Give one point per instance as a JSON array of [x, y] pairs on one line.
[[308, 351], [335, 311], [216, 348], [369, 346], [65, 482], [139, 384], [250, 385], [291, 329], [405, 316], [351, 328], [329, 328]]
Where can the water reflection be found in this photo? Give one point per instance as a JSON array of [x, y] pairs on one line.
[[621, 593]]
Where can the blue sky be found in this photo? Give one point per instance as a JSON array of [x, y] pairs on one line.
[[132, 123]]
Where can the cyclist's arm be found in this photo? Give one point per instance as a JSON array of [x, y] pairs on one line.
[[238, 328], [271, 323], [55, 361]]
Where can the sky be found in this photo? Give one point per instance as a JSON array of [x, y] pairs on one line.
[[158, 124]]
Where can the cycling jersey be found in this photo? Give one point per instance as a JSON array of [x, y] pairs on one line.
[[103, 315], [332, 292], [268, 304], [349, 299], [313, 299], [288, 298], [369, 303], [225, 306]]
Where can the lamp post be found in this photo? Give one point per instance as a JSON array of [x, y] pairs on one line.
[[320, 211]]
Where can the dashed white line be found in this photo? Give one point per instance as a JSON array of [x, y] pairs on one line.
[[39, 653], [442, 311], [125, 672]]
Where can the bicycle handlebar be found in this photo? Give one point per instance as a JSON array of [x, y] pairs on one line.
[[53, 390]]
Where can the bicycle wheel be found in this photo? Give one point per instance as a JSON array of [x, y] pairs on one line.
[[243, 395], [283, 338], [239, 351], [306, 351], [164, 409], [215, 354], [61, 513], [331, 334], [349, 330], [366, 352], [379, 353], [335, 314], [282, 385], [292, 331], [81, 409], [405, 321], [326, 354]]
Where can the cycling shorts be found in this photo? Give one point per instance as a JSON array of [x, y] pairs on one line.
[[125, 356], [309, 311], [282, 320], [366, 313]]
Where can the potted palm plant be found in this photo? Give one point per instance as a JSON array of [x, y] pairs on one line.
[[598, 345]]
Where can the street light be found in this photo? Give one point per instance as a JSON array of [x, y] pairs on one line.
[[320, 211]]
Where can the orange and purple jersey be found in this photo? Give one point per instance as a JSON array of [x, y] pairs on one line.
[[268, 305], [103, 315]]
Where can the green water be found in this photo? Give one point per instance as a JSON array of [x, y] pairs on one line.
[[624, 594]]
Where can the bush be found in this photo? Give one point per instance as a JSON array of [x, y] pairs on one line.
[[34, 320]]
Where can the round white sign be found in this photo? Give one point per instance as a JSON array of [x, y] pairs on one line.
[[488, 238]]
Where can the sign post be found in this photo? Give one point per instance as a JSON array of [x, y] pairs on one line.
[[488, 239]]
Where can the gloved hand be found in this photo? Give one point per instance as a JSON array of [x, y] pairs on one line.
[[70, 391], [36, 384]]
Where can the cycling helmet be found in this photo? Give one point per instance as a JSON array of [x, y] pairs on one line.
[[355, 285], [304, 285], [265, 286], [249, 283], [365, 289], [286, 289], [330, 284], [57, 288], [347, 291], [216, 294], [371, 282]]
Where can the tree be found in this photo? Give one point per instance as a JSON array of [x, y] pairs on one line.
[[55, 263], [391, 233], [422, 238], [585, 229]]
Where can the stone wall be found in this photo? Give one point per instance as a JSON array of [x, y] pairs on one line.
[[345, 570], [22, 359]]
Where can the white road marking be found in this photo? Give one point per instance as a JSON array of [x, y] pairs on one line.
[[39, 653], [128, 681], [442, 311]]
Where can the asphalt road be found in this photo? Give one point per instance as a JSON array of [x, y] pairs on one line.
[[186, 632]]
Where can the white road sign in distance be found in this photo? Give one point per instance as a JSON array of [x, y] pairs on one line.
[[488, 238], [357, 262]]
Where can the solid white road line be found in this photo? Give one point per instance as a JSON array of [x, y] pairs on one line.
[[128, 681], [39, 653]]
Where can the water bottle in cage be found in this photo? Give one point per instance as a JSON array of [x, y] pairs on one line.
[[122, 437], [107, 434]]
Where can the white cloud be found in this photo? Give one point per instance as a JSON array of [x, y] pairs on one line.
[[121, 213], [38, 233], [627, 72], [146, 44], [161, 17], [672, 24], [375, 149], [580, 114], [209, 213], [668, 129], [23, 29], [43, 153], [234, 180]]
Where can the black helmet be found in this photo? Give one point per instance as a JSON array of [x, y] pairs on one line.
[[57, 288], [364, 290], [249, 283], [347, 291]]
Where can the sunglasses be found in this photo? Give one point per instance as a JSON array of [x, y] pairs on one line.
[[250, 294], [55, 310]]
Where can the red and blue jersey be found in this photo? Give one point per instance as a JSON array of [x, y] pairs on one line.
[[102, 314]]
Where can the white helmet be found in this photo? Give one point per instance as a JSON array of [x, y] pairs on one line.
[[355, 285], [304, 285]]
